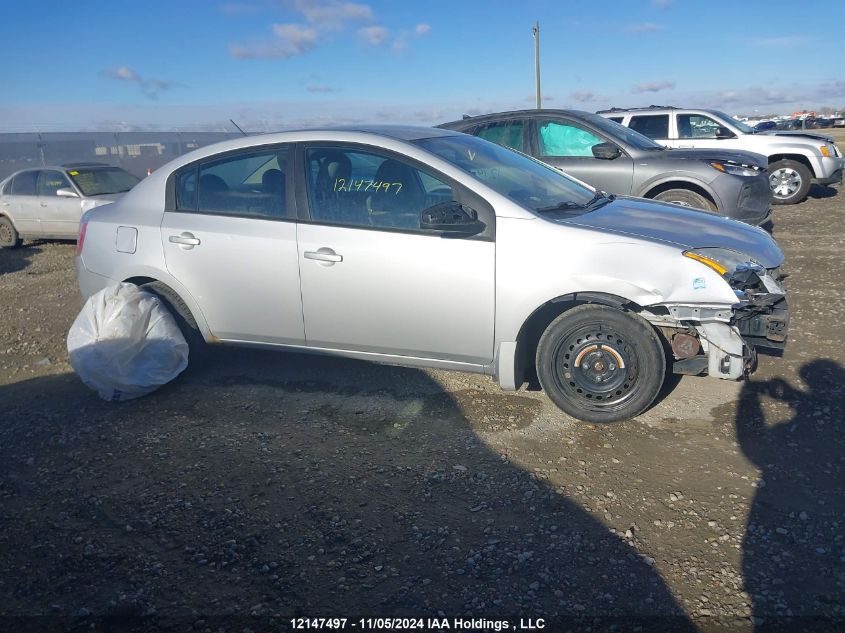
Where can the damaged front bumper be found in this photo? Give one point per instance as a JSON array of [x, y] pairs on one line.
[[723, 341]]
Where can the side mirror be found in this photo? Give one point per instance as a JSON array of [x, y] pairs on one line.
[[723, 133], [451, 217], [66, 193], [606, 151]]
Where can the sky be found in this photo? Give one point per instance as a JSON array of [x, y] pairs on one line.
[[276, 64]]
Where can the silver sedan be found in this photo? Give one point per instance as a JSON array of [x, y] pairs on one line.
[[47, 202], [432, 248]]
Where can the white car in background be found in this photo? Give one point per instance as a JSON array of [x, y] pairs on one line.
[[47, 202], [432, 248], [796, 159]]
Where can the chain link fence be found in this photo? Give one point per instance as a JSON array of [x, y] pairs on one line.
[[136, 152]]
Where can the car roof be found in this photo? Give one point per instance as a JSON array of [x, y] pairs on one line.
[[516, 113], [399, 132]]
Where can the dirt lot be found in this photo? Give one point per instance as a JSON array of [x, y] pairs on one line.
[[263, 486]]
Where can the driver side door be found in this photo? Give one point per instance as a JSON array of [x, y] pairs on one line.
[[372, 279]]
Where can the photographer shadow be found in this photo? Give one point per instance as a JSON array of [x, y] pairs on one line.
[[793, 554]]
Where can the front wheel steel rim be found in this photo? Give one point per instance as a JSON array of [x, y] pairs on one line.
[[785, 182], [5, 234], [596, 368]]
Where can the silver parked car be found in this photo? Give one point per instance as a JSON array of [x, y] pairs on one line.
[[47, 202], [432, 248]]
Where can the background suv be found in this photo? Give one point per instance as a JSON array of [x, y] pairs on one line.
[[795, 159], [617, 160]]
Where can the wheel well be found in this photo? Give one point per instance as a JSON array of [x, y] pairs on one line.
[[798, 158], [533, 328], [170, 295], [679, 184]]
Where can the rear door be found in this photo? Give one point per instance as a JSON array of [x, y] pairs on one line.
[[230, 239], [372, 279], [568, 146], [21, 203], [59, 215]]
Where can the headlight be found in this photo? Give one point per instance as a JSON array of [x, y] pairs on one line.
[[735, 169], [723, 260]]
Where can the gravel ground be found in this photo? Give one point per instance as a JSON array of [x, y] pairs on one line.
[[264, 486]]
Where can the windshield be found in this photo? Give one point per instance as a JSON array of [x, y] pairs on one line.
[[102, 180], [742, 127], [527, 182], [625, 134]]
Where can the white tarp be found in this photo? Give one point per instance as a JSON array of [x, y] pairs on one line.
[[125, 343]]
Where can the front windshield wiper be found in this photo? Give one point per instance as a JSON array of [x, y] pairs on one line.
[[598, 197]]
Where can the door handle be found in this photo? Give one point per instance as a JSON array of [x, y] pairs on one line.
[[43, 204], [686, 147], [185, 240], [324, 255]]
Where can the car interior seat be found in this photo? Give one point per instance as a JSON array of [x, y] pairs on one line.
[[273, 185], [400, 202], [684, 127], [211, 188], [331, 188]]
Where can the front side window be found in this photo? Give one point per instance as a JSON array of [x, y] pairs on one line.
[[508, 133], [652, 125], [560, 138], [696, 126], [102, 181], [49, 182], [363, 188], [24, 183], [250, 184]]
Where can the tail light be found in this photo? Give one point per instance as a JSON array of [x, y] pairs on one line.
[[83, 227]]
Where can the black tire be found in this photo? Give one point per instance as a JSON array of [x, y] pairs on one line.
[[9, 237], [600, 364], [197, 347], [790, 181], [685, 198]]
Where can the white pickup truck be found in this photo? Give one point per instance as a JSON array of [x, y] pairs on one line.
[[796, 159]]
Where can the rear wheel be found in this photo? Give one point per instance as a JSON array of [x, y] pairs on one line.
[[685, 198], [197, 347], [600, 364], [9, 237], [790, 181]]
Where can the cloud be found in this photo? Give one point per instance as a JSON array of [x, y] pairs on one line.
[[661, 4], [422, 29], [584, 96], [374, 35], [150, 86], [644, 27], [653, 86], [122, 73], [331, 16], [290, 40], [320, 88], [784, 41]]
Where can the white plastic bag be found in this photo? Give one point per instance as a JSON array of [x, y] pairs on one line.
[[125, 344]]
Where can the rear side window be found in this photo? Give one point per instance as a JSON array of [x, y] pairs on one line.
[[561, 138], [49, 182], [508, 133], [250, 184], [652, 125], [24, 183], [616, 119]]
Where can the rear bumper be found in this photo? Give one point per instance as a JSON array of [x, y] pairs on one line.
[[90, 283]]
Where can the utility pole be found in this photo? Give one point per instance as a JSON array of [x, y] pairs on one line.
[[537, 61]]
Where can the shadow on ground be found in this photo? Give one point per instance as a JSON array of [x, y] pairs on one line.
[[821, 191], [794, 551], [232, 496], [15, 259]]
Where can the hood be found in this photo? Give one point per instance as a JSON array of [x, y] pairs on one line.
[[723, 155], [800, 135], [681, 227]]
